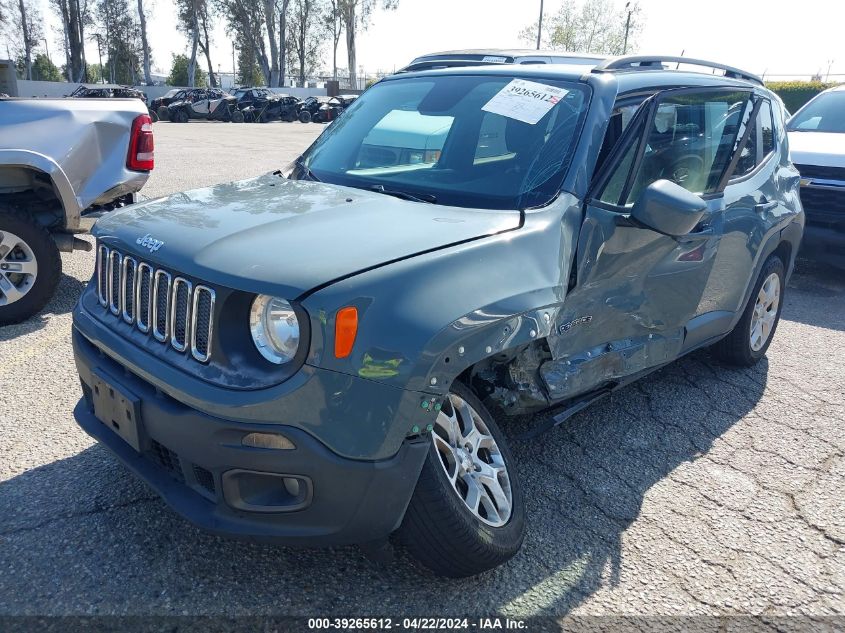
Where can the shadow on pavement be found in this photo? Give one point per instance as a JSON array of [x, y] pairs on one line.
[[86, 537], [63, 301], [816, 296]]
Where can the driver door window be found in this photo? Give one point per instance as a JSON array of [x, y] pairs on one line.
[[689, 139]]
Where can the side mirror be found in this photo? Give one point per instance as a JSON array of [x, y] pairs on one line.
[[668, 208]]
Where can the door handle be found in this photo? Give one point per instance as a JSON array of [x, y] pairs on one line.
[[765, 206]]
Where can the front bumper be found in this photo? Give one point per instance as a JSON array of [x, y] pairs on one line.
[[200, 467], [825, 244]]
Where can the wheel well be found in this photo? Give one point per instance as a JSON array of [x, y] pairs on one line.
[[31, 191], [784, 252]]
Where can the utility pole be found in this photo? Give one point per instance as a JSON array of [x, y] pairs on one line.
[[234, 67], [47, 48], [829, 64], [540, 26], [627, 28]]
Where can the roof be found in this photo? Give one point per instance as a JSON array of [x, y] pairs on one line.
[[630, 73]]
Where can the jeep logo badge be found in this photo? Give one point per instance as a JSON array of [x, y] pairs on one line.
[[149, 242]]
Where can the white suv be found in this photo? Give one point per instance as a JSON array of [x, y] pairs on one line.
[[817, 147]]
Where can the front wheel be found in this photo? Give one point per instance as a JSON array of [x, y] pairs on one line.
[[748, 341], [466, 514], [237, 116], [30, 267], [163, 113], [305, 117], [181, 116]]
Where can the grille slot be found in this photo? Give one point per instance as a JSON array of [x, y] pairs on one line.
[[161, 305], [143, 296], [180, 314], [204, 478], [114, 282], [167, 459], [172, 309], [103, 275], [127, 288], [203, 324]]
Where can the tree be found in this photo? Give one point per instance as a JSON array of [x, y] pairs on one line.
[[334, 25], [248, 21], [356, 16], [25, 20], [119, 31], [75, 16], [590, 26], [195, 21], [179, 73], [145, 47], [45, 70], [249, 74], [306, 26]]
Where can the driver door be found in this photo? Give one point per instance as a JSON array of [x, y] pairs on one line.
[[636, 290]]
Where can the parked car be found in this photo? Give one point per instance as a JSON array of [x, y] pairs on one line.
[[332, 355], [51, 190], [483, 57], [108, 91], [159, 104], [817, 144], [210, 104]]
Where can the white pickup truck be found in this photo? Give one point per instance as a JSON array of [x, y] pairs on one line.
[[63, 163]]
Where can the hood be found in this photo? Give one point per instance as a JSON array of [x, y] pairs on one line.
[[284, 237], [825, 149]]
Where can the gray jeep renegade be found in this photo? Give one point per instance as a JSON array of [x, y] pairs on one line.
[[332, 355]]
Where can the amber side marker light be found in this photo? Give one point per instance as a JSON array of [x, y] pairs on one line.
[[345, 330]]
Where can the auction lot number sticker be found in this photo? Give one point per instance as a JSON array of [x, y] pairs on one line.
[[417, 624], [526, 101]]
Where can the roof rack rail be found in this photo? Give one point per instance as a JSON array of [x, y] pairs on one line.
[[635, 62]]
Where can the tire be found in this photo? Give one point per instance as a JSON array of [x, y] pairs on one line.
[[153, 116], [439, 529], [739, 348], [181, 116], [163, 113], [305, 117], [24, 242], [237, 116]]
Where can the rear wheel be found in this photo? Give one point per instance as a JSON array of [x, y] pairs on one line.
[[30, 267], [305, 117], [163, 113], [237, 116], [181, 116], [466, 515], [748, 341]]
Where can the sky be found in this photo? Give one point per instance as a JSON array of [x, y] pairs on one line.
[[779, 38]]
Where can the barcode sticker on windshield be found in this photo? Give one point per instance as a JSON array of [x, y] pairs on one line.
[[494, 59], [526, 101]]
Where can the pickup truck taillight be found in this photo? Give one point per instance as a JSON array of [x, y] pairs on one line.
[[141, 146]]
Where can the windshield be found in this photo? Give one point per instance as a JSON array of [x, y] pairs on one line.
[[825, 113], [479, 141], [171, 93]]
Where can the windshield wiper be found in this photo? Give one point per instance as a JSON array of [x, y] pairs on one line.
[[405, 195], [304, 170]]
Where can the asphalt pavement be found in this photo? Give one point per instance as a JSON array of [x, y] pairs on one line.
[[701, 489]]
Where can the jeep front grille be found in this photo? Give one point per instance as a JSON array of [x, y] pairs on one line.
[[172, 309]]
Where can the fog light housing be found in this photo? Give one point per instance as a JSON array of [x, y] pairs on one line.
[[254, 491]]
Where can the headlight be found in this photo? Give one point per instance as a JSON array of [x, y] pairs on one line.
[[275, 329]]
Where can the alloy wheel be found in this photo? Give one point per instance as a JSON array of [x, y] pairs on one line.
[[18, 268], [473, 462], [765, 312]]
